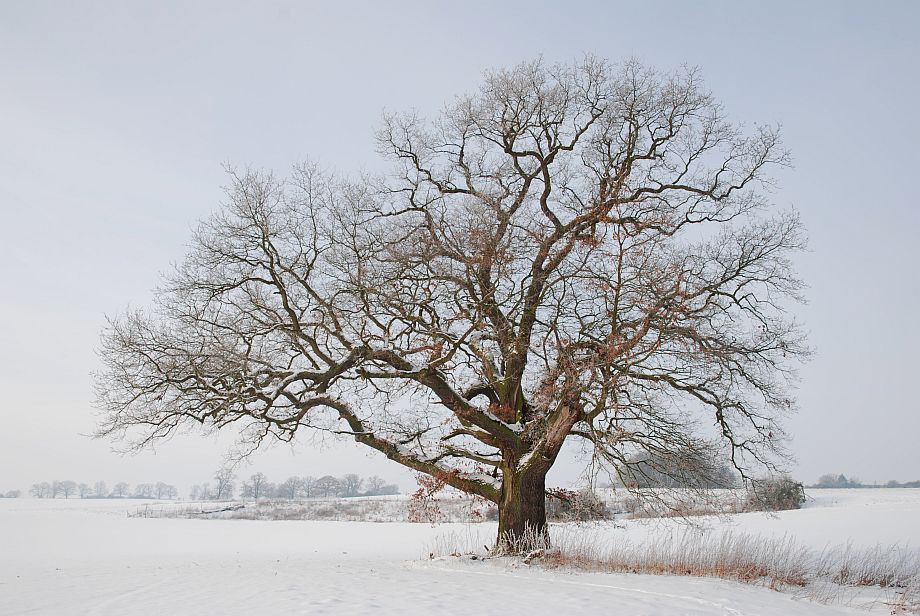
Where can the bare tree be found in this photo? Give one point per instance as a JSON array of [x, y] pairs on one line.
[[40, 490], [687, 468], [84, 490], [66, 488], [351, 484], [100, 490], [291, 488], [258, 482], [202, 492], [574, 252], [327, 486], [121, 490], [144, 490], [163, 490], [225, 484], [308, 485], [374, 485]]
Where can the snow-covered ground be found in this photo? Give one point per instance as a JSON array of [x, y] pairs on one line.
[[88, 557], [829, 518]]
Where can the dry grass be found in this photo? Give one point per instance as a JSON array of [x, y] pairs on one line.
[[909, 600], [890, 576], [781, 564]]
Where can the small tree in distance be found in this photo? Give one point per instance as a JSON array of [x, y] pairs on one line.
[[225, 484], [255, 487], [327, 486], [291, 488], [572, 253], [258, 482], [308, 484], [375, 485], [40, 490], [100, 490], [351, 484], [838, 481], [165, 491], [68, 488]]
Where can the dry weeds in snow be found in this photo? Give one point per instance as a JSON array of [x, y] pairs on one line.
[[834, 575]]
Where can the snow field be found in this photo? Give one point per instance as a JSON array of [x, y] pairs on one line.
[[88, 557]]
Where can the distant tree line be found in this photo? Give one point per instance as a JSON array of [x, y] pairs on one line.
[[68, 488], [684, 468], [11, 494], [841, 481], [258, 486], [906, 484]]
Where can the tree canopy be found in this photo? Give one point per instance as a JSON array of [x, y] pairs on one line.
[[581, 251]]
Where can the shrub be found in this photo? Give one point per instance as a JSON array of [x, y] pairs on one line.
[[570, 506], [777, 494], [325, 512]]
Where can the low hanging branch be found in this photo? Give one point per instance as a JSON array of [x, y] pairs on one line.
[[572, 251]]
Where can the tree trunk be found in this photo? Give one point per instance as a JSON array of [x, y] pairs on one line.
[[522, 511]]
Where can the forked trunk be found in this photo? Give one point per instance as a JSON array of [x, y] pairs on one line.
[[522, 512]]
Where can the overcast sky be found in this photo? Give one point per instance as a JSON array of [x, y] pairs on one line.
[[115, 118]]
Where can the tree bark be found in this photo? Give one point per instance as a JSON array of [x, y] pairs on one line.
[[522, 509]]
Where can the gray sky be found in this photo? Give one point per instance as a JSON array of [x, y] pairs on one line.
[[115, 118]]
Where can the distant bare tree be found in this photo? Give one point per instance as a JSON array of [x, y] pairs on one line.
[[84, 490], [838, 481], [13, 494], [259, 482], [224, 484], [100, 490], [374, 484], [255, 487], [144, 490], [67, 488], [571, 253], [327, 486], [351, 484], [687, 468], [121, 490], [41, 490], [291, 488], [163, 490], [202, 492]]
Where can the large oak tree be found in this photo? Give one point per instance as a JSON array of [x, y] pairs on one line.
[[571, 252]]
